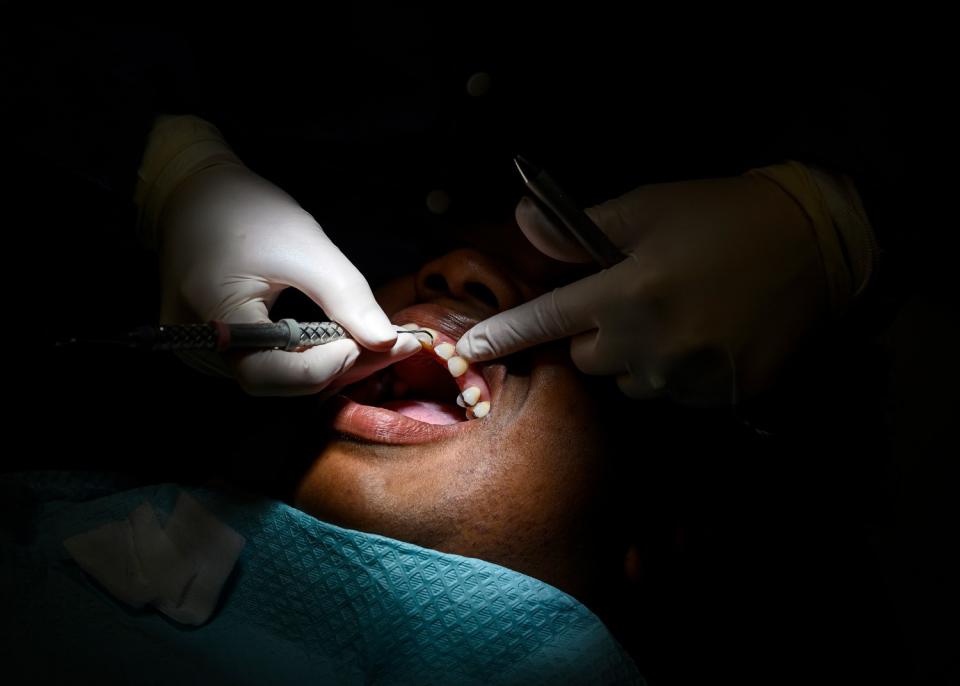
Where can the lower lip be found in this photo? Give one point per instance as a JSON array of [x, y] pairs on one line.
[[380, 425]]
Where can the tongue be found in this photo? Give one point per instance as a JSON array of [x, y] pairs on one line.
[[427, 411]]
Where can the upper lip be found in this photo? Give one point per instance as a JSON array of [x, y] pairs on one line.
[[453, 323]]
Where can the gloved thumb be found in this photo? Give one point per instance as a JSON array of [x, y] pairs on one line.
[[624, 217], [545, 235], [619, 218]]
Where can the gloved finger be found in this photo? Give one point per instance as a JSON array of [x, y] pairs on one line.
[[537, 321], [278, 372], [369, 362], [588, 355], [324, 273], [545, 236], [563, 312]]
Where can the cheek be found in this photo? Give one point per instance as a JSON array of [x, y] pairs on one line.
[[561, 433]]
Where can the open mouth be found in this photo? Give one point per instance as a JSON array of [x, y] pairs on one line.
[[416, 387], [430, 395]]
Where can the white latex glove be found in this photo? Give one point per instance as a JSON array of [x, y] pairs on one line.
[[229, 243], [723, 278]]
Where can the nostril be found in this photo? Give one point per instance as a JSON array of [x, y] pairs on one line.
[[469, 275], [436, 282], [482, 293]]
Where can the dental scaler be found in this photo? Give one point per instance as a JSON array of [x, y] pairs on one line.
[[286, 334]]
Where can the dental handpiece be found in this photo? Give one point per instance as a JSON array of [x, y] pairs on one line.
[[286, 334]]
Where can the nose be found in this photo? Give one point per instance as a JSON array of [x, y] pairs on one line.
[[468, 276]]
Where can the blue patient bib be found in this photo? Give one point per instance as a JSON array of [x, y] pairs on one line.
[[308, 602]]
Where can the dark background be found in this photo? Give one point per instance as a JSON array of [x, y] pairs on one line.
[[818, 552]]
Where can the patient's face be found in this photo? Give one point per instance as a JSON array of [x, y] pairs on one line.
[[517, 486]]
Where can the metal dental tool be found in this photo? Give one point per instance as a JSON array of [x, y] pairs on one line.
[[571, 217], [287, 334]]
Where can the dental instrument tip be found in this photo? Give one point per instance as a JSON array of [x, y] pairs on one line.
[[416, 331]]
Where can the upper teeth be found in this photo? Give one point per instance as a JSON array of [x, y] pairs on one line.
[[471, 395], [481, 409], [457, 366], [444, 350]]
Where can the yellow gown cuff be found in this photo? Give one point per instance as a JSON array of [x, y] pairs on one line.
[[844, 236]]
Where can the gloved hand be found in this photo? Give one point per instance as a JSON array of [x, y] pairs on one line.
[[230, 242], [723, 279]]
